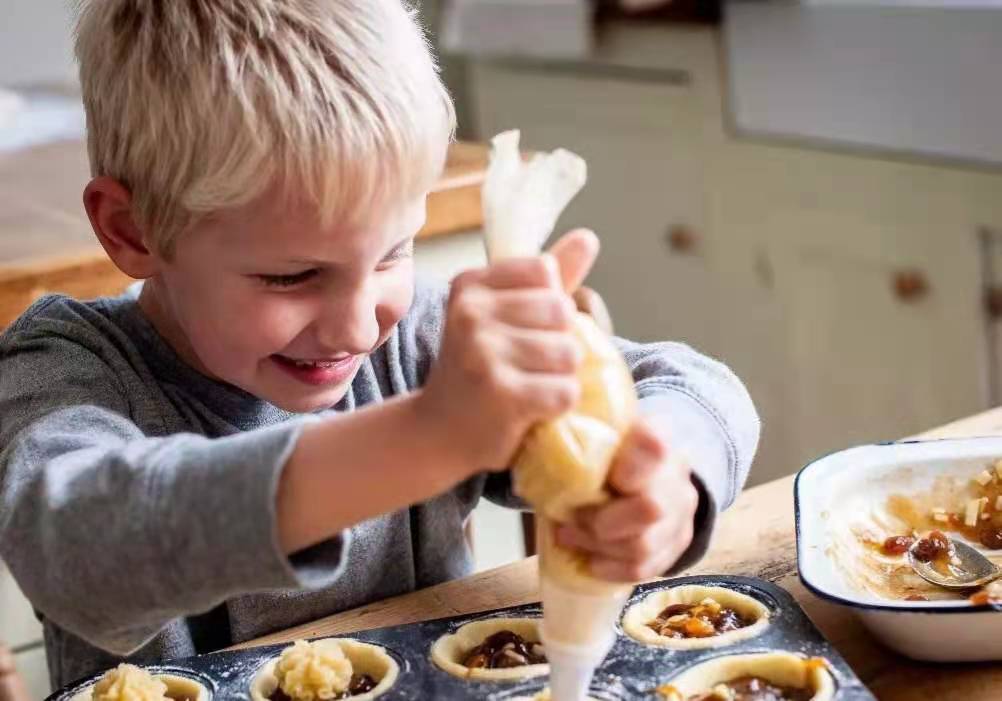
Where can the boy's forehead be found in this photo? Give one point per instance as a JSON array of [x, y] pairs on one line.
[[275, 226]]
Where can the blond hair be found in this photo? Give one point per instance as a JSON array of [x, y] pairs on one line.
[[198, 106]]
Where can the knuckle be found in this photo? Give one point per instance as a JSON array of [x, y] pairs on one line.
[[559, 309], [458, 303], [479, 360], [565, 395], [538, 269], [477, 369], [637, 571], [649, 510], [643, 547], [496, 380], [465, 313], [462, 281], [657, 448], [564, 357]]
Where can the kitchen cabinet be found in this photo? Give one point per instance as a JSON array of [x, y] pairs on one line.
[[874, 347], [844, 288], [855, 288]]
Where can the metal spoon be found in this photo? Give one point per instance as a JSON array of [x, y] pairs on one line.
[[972, 569]]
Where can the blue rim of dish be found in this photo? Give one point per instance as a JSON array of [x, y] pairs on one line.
[[901, 608]]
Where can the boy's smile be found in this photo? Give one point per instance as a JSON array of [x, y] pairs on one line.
[[267, 299], [319, 372]]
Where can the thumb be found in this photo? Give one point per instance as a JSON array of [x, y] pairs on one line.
[[575, 252]]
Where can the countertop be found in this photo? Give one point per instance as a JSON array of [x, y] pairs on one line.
[[767, 550]]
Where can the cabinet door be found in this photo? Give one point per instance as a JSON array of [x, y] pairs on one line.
[[813, 242], [878, 346], [642, 140]]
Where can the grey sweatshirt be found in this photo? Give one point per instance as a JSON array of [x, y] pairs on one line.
[[137, 496]]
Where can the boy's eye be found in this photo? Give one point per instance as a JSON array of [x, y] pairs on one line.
[[287, 280], [401, 252]]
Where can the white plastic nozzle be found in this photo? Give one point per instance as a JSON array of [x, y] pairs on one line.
[[578, 631], [571, 669]]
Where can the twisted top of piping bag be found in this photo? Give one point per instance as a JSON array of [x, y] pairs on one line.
[[523, 200]]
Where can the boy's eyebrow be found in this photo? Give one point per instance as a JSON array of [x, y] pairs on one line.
[[409, 239], [401, 245]]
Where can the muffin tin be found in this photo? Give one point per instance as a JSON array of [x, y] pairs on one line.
[[632, 670]]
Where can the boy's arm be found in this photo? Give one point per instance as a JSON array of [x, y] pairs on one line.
[[144, 530], [697, 403], [112, 533]]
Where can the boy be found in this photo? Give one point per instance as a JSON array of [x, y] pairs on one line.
[[283, 425]]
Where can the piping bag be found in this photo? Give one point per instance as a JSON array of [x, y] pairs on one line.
[[562, 464]]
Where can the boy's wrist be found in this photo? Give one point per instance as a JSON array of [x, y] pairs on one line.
[[435, 432]]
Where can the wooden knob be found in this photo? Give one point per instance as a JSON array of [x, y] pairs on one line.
[[910, 285], [993, 302], [681, 239]]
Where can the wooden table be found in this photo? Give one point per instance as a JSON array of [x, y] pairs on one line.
[[46, 242], [755, 537]]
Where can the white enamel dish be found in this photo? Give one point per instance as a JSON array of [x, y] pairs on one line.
[[838, 494]]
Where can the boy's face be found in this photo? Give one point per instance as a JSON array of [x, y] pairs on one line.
[[265, 298]]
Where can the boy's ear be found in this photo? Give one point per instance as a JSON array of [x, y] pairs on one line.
[[109, 207]]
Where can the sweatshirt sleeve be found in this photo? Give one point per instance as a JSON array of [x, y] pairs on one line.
[[705, 413], [700, 407], [110, 532]]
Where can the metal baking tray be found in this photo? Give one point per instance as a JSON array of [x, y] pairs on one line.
[[632, 670]]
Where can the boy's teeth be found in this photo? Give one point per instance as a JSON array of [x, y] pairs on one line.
[[313, 363]]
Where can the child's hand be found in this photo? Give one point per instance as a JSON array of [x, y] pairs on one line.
[[508, 357], [647, 526]]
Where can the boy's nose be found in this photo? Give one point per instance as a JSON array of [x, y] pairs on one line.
[[348, 323]]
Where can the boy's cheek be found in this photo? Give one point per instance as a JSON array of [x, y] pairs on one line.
[[242, 330], [396, 297]]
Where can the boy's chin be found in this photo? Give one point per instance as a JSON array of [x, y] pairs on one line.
[[311, 402]]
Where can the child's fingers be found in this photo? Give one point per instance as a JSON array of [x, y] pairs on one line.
[[575, 252], [651, 558], [537, 271], [533, 309], [621, 518], [575, 538], [542, 351], [621, 571], [638, 460], [541, 396], [641, 546]]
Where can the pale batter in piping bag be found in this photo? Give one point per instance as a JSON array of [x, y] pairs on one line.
[[563, 463]]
